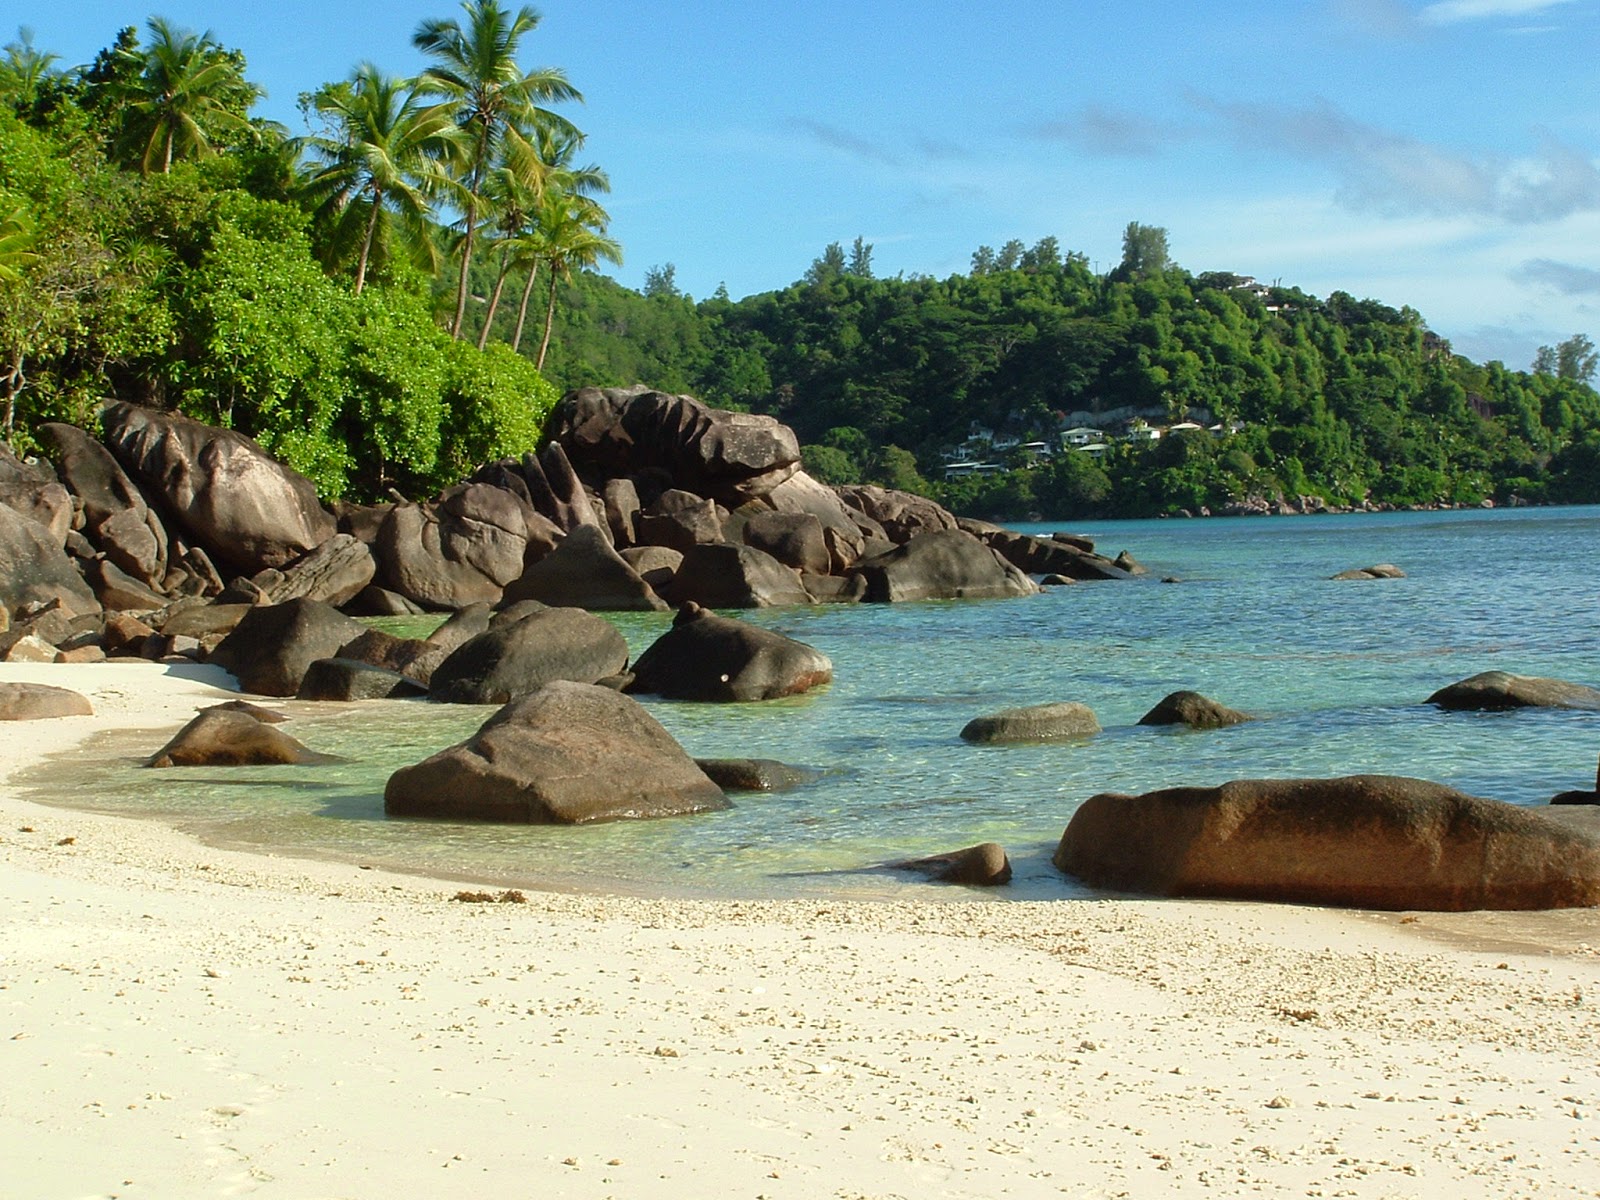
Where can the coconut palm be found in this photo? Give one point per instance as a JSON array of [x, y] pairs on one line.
[[496, 102], [573, 231], [380, 164], [518, 209], [182, 92], [25, 71], [17, 236]]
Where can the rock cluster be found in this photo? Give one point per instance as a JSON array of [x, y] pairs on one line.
[[640, 501]]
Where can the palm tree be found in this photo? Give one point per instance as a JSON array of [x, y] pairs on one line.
[[183, 92], [498, 104], [25, 71], [517, 213], [573, 230], [17, 236], [382, 162]]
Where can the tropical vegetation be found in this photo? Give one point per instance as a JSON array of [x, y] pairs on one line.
[[359, 299]]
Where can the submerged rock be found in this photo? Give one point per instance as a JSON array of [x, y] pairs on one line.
[[1037, 723], [755, 774], [221, 737], [984, 865], [1492, 690]]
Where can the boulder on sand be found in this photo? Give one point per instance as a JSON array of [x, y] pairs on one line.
[[40, 701], [712, 658], [568, 754], [1365, 841]]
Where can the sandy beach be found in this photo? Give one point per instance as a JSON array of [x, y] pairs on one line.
[[182, 1021]]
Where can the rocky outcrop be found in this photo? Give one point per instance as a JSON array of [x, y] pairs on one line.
[[710, 658], [1063, 555], [901, 516], [117, 518], [1194, 710], [461, 550], [944, 565], [1366, 841], [221, 737], [567, 754], [726, 456], [795, 539], [518, 657], [1498, 690], [335, 573], [1036, 723], [242, 506], [351, 679]]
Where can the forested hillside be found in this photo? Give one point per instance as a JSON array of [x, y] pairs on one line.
[[1338, 398]]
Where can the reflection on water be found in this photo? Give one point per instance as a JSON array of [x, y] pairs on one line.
[[1336, 671]]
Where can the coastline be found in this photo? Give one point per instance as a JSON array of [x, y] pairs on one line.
[[188, 1021]]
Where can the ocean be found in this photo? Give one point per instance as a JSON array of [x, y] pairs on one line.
[[1336, 672]]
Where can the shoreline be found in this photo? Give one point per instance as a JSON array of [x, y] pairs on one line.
[[184, 1020]]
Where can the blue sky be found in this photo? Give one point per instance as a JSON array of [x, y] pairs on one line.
[[1441, 155]]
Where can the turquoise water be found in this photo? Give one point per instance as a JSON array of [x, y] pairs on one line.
[[1336, 671]]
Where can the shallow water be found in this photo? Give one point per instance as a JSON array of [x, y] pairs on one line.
[[1337, 672]]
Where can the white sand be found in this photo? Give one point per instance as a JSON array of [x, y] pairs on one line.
[[178, 1021]]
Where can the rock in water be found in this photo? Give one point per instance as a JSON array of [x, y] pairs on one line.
[[518, 657], [1194, 710], [985, 865], [942, 565], [1365, 841], [1493, 690], [221, 737], [708, 657], [569, 754], [1038, 723]]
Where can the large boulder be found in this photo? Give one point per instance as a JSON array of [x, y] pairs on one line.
[[712, 658], [272, 647], [516, 658], [681, 521], [942, 565], [1194, 710], [40, 701], [244, 508], [728, 576], [568, 754], [795, 539], [585, 572], [461, 550], [35, 571], [116, 516], [1036, 723], [1498, 690], [351, 679], [221, 737], [1366, 841], [611, 432]]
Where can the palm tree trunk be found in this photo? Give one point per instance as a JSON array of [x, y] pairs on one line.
[[549, 320], [366, 243], [522, 309], [494, 300], [466, 266]]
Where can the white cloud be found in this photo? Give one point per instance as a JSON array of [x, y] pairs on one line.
[[1451, 12]]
